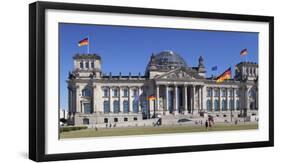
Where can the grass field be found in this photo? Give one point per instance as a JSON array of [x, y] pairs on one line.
[[153, 130]]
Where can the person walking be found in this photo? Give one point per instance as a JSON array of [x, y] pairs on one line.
[[206, 124]]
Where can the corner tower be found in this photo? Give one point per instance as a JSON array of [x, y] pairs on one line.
[[246, 71], [87, 65]]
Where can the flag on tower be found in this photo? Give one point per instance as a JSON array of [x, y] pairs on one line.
[[224, 76], [244, 52], [84, 42]]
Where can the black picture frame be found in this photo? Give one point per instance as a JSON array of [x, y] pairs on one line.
[[37, 80]]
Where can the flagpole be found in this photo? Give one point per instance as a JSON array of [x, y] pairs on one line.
[[88, 44]]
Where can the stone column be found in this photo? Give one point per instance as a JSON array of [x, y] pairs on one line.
[[199, 98], [167, 99], [212, 99], [78, 104], [139, 101], [84, 64], [70, 100], [202, 98], [219, 99], [176, 100], [120, 101], [130, 100], [185, 100], [110, 100], [193, 98], [93, 100], [233, 99], [257, 99], [246, 98], [227, 100], [157, 98]]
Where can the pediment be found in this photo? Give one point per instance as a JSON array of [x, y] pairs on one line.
[[179, 74]]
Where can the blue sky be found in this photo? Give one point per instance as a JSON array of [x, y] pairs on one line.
[[128, 49]]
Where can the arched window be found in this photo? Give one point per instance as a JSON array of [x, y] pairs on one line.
[[237, 105], [116, 106], [106, 108], [216, 105], [87, 92], [86, 121], [224, 105], [81, 65], [125, 106], [135, 106], [87, 108], [209, 105]]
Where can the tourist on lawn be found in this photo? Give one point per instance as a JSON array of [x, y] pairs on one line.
[[206, 124]]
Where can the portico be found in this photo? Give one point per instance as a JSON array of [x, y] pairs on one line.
[[178, 98]]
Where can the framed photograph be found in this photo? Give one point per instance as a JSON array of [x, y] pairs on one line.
[[110, 81]]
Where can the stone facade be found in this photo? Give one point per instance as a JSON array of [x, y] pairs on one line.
[[177, 90]]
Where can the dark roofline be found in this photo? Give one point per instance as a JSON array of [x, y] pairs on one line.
[[117, 76], [87, 56], [247, 63]]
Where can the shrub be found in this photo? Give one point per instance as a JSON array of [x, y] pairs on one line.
[[72, 128]]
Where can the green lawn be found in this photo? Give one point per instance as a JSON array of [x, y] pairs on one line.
[[154, 130]]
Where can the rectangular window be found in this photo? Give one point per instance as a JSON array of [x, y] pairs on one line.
[[135, 92], [230, 93], [81, 65], [237, 93], [125, 92], [217, 93], [87, 65], [209, 92], [87, 108], [115, 92], [105, 93], [223, 93]]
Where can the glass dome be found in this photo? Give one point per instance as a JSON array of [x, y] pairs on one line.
[[167, 60]]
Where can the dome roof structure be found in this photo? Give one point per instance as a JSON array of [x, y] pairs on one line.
[[166, 60]]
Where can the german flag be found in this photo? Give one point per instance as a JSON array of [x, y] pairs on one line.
[[84, 42], [151, 97], [244, 52], [224, 76]]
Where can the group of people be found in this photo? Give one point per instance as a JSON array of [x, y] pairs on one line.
[[209, 122], [110, 125]]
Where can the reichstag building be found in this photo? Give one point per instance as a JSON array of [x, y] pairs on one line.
[[170, 89]]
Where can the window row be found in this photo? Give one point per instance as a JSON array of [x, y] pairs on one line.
[[224, 92], [116, 107], [105, 120], [86, 64], [223, 105], [116, 92]]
